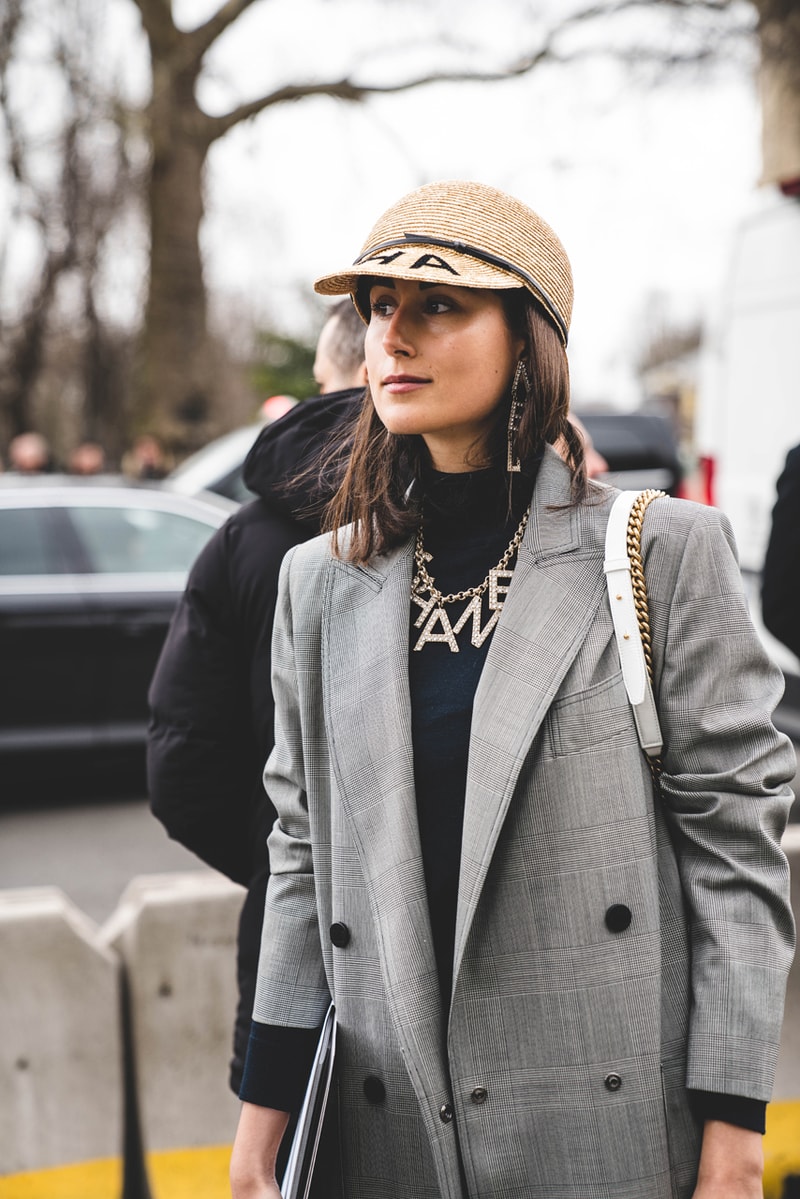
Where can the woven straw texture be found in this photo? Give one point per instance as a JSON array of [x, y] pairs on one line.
[[478, 217]]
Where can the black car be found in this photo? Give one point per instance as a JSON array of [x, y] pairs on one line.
[[90, 573], [640, 448]]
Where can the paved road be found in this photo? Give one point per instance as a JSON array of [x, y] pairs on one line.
[[92, 849]]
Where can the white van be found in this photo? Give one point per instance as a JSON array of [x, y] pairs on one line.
[[749, 399]]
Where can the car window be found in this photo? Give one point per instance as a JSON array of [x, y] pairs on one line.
[[25, 543], [233, 487], [138, 540]]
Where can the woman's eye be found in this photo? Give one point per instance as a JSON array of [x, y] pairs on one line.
[[382, 305], [437, 305]]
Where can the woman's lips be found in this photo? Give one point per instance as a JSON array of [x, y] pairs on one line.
[[398, 384]]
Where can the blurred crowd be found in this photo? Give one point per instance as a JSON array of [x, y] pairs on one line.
[[31, 454]]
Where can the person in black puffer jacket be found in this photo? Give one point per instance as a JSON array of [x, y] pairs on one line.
[[780, 584], [211, 706]]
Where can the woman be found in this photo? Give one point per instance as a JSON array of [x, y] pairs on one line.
[[548, 983]]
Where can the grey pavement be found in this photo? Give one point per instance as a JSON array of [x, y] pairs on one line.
[[90, 851]]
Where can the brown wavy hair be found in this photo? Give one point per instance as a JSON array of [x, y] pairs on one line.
[[373, 496]]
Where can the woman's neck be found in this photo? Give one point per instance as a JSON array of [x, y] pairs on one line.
[[453, 456]]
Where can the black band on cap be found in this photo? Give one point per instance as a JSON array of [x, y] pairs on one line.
[[471, 252]]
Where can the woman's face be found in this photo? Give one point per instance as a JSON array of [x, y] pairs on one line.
[[439, 361]]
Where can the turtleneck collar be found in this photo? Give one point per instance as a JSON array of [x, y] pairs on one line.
[[477, 499]]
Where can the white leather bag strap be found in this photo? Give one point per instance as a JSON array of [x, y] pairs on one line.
[[617, 567]]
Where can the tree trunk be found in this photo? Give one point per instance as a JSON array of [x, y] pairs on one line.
[[779, 80], [176, 371], [27, 350]]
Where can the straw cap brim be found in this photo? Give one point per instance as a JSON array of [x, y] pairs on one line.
[[466, 235], [419, 261]]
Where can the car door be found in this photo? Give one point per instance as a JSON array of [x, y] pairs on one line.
[[139, 556], [49, 697]]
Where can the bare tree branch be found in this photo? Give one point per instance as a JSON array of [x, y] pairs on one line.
[[212, 128], [606, 10], [73, 212], [199, 40], [10, 21], [346, 89], [186, 48]]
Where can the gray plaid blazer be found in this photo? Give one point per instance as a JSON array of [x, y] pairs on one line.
[[612, 948]]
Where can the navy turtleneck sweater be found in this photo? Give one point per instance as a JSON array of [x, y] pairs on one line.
[[467, 527]]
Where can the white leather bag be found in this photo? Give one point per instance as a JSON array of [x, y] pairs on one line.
[[628, 617]]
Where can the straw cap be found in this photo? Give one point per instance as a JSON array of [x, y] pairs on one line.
[[466, 235]]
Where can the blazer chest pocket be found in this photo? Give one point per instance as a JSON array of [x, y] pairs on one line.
[[591, 717]]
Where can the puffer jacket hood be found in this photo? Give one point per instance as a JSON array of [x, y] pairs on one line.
[[277, 467]]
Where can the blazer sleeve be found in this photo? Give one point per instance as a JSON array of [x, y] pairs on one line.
[[292, 989], [780, 585], [726, 796]]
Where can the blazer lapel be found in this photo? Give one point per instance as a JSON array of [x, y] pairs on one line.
[[369, 730], [554, 595]]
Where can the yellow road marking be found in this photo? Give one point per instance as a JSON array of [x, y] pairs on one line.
[[177, 1174], [190, 1173], [85, 1180], [781, 1146]]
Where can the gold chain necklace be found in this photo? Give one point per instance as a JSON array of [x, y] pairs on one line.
[[428, 597]]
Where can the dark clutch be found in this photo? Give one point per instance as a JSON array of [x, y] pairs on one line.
[[312, 1168]]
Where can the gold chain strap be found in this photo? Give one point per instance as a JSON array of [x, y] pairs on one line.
[[634, 545]]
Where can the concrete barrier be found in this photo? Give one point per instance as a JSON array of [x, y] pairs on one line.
[[61, 1084], [782, 1142], [176, 935]]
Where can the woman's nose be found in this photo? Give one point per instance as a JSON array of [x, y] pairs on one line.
[[397, 337]]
